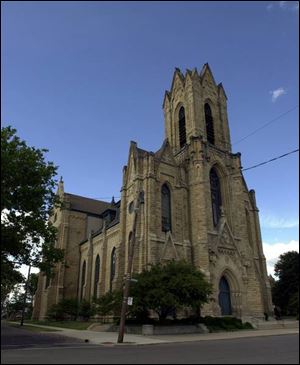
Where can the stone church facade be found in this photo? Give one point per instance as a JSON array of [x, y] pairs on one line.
[[196, 206]]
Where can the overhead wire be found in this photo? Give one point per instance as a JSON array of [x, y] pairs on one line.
[[265, 125], [272, 159]]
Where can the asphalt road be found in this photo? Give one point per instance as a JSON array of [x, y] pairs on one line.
[[283, 349], [18, 337]]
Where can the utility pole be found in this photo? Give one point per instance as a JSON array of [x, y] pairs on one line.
[[140, 200], [25, 296]]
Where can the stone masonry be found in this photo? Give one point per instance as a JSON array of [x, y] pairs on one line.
[[228, 252]]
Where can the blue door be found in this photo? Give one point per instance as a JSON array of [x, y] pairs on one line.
[[224, 297]]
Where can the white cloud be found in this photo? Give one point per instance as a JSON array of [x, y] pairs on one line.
[[283, 4], [288, 5], [296, 7], [277, 93], [270, 6], [272, 252], [275, 222]]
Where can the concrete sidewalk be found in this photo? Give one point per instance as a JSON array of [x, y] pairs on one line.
[[110, 338]]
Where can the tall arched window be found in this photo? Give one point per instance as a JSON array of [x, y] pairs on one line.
[[165, 209], [216, 199], [97, 275], [209, 124], [113, 260], [182, 132], [83, 271]]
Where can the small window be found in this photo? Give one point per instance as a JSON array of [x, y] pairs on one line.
[[182, 131]]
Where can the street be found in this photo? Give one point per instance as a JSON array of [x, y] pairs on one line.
[[36, 348]]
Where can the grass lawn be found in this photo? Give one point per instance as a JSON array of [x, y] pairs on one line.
[[63, 324], [34, 329]]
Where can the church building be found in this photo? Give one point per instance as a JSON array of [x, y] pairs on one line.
[[196, 206]]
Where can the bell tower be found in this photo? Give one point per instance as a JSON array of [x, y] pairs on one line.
[[196, 106]]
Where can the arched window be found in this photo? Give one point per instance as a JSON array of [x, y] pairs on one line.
[[112, 266], [224, 297], [216, 200], [97, 275], [209, 124], [182, 132], [83, 271], [165, 209]]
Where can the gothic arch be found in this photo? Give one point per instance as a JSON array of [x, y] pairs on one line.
[[232, 277], [215, 195], [113, 266], [166, 207], [96, 276], [209, 116], [181, 125], [225, 191], [175, 123], [224, 296]]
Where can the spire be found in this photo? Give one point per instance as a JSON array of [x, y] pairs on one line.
[[112, 203], [60, 189]]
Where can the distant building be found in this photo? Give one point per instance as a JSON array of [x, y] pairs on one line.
[[197, 207]]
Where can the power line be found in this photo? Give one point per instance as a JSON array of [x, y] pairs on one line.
[[273, 159], [265, 125]]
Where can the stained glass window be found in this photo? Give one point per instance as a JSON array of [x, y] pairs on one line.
[[165, 209], [97, 275], [216, 200], [209, 124]]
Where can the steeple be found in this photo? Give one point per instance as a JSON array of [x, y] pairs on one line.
[[196, 106]]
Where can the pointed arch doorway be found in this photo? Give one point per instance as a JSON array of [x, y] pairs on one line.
[[224, 297]]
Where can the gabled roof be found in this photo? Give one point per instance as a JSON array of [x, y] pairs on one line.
[[86, 205]]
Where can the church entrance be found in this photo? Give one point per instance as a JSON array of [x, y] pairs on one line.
[[224, 297]]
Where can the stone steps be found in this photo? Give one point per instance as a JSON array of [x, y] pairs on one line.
[[273, 324]]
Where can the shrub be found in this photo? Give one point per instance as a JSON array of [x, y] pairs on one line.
[[65, 309], [86, 310], [167, 288], [109, 304], [225, 323]]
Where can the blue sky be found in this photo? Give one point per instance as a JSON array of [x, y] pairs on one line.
[[84, 78]]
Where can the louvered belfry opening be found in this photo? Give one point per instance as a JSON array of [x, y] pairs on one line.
[[182, 131], [209, 124]]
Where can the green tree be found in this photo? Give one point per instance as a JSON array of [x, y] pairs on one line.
[[167, 288], [109, 303], [285, 290], [9, 279], [27, 198]]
